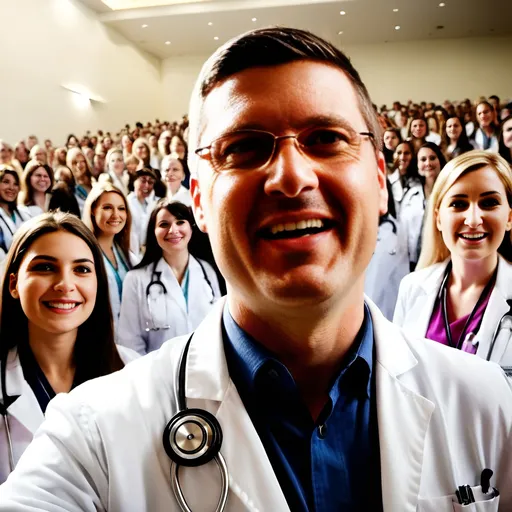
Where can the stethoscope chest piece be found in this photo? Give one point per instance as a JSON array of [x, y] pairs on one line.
[[193, 437]]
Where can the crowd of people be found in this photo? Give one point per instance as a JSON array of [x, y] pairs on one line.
[[103, 261]]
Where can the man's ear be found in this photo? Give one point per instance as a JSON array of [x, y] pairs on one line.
[[383, 188], [195, 192], [13, 283]]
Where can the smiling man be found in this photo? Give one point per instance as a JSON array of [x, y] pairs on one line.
[[315, 401]]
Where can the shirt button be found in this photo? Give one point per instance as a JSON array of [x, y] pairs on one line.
[[322, 431]]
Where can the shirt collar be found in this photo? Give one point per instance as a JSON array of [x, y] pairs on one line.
[[247, 356]]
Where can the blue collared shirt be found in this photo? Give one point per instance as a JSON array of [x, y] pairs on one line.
[[328, 465]]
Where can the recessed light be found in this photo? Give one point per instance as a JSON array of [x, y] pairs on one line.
[[255, 19], [343, 13], [442, 4], [340, 32], [395, 10], [167, 42], [210, 23], [216, 38], [397, 27], [144, 26]]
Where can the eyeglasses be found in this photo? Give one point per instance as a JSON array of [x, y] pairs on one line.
[[254, 149]]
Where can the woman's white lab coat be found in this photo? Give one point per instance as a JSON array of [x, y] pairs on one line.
[[24, 414], [101, 449], [113, 290], [10, 226], [412, 211], [135, 313], [388, 266], [418, 294], [140, 219], [479, 141], [183, 196]]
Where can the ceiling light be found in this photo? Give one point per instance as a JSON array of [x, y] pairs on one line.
[[343, 13], [210, 24], [144, 26], [216, 38], [167, 42], [442, 4], [397, 27], [255, 19], [395, 10], [340, 32]]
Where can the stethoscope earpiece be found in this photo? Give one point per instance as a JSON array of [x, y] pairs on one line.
[[192, 438]]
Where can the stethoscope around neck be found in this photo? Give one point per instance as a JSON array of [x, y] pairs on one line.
[[4, 405], [504, 323], [193, 437], [156, 280]]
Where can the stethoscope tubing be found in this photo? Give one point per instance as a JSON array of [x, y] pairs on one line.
[[9, 442], [178, 493]]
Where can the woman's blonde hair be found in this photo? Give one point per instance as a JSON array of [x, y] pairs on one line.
[[71, 163], [110, 152], [434, 249], [123, 237]]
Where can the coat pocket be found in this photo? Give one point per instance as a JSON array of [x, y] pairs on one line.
[[483, 503]]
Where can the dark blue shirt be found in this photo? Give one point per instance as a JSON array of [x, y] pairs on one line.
[[328, 465]]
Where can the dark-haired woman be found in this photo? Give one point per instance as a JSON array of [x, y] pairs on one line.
[[455, 140], [10, 217], [505, 147], [170, 291], [56, 325], [36, 186], [430, 162]]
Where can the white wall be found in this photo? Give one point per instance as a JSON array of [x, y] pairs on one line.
[[435, 70], [420, 70], [48, 43]]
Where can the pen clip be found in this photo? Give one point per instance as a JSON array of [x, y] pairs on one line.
[[485, 480]]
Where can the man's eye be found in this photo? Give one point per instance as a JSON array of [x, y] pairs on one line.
[[326, 138], [243, 146]]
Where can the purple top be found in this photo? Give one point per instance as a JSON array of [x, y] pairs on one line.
[[436, 330]]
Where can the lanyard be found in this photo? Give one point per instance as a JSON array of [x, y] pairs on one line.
[[444, 308], [120, 261]]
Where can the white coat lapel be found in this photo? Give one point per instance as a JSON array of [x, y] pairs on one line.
[[496, 308], [208, 381], [421, 311], [175, 292], [8, 223], [403, 418], [25, 408]]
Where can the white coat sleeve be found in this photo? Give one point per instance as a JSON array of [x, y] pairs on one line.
[[63, 469], [401, 302], [130, 330]]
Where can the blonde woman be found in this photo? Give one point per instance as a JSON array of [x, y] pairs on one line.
[[463, 288], [116, 173], [76, 161], [107, 215]]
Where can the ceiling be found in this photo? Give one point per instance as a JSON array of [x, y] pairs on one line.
[[190, 26]]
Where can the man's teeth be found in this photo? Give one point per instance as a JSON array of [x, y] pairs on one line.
[[475, 236], [62, 305], [292, 226]]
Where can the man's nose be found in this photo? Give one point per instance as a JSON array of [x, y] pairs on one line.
[[290, 172]]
